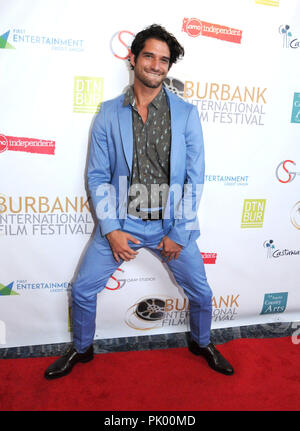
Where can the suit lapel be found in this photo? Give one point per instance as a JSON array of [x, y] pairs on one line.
[[175, 138], [125, 121]]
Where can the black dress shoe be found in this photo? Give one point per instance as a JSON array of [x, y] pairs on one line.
[[63, 366], [214, 358]]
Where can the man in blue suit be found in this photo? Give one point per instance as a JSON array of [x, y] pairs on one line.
[[145, 175]]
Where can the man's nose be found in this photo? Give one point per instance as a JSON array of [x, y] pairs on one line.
[[155, 64]]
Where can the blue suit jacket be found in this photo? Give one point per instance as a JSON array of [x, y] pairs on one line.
[[110, 165]]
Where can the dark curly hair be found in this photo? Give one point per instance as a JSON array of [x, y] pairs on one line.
[[158, 32]]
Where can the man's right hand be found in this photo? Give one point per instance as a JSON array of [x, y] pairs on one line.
[[118, 241]]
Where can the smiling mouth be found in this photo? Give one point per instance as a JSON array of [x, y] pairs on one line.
[[153, 73]]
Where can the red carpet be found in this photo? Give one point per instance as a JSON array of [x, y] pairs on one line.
[[267, 377]]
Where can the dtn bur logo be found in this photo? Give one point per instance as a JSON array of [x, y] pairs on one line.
[[88, 94], [253, 213]]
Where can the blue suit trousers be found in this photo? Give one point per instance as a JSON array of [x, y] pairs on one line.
[[99, 264]]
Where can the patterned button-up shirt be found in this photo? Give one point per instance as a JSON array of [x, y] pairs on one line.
[[151, 156]]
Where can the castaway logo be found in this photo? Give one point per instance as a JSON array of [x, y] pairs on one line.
[[120, 44], [20, 37], [225, 307], [274, 303], [283, 172], [194, 27], [253, 213], [88, 94], [27, 145], [7, 290], [157, 312], [227, 104], [274, 252], [46, 286], [295, 215], [42, 216], [227, 180], [296, 109], [268, 2], [288, 39]]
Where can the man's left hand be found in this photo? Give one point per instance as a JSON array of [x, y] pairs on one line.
[[170, 248]]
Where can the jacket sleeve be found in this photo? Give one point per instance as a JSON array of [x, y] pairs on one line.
[[194, 181], [102, 192]]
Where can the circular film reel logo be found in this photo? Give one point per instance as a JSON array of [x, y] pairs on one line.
[[146, 314], [295, 215], [175, 86]]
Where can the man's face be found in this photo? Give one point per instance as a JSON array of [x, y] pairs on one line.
[[153, 63]]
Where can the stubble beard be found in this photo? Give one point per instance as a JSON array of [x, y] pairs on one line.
[[147, 82]]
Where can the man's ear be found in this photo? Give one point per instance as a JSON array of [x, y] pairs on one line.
[[132, 60]]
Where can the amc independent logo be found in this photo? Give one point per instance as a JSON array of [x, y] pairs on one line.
[[253, 213], [88, 94], [194, 27], [27, 145]]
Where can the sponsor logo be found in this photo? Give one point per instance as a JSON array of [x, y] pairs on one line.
[[268, 2], [27, 145], [288, 40], [283, 174], [253, 213], [116, 283], [7, 290], [4, 44], [209, 258], [157, 312], [175, 86], [296, 109], [227, 180], [88, 94], [295, 215], [274, 303], [46, 286], [120, 44], [226, 104], [42, 215], [274, 252], [194, 28], [20, 37], [225, 307]]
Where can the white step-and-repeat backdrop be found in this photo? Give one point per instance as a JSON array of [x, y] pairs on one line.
[[59, 60]]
